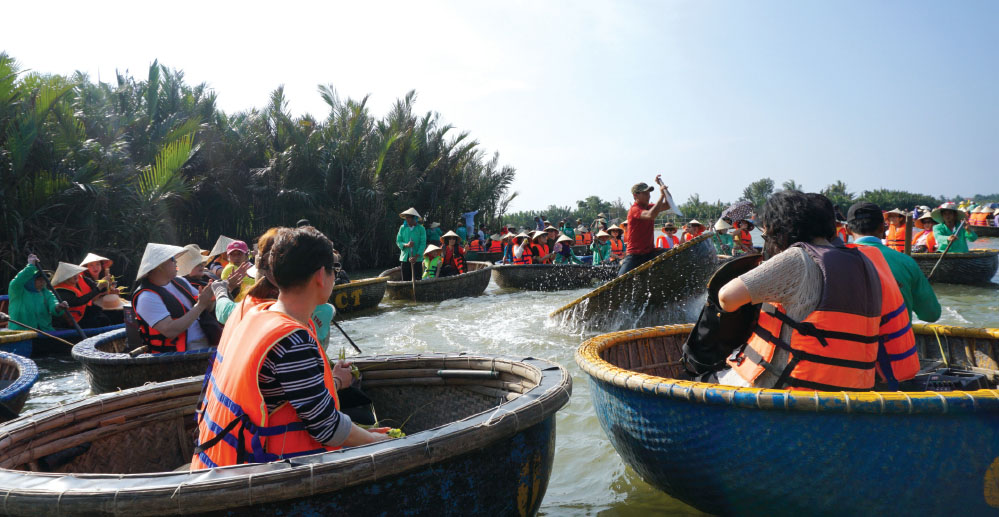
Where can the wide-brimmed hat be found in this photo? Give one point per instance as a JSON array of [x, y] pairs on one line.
[[450, 233], [896, 211], [431, 248], [93, 257], [505, 236], [669, 226], [935, 214], [550, 229], [191, 257], [601, 215], [695, 221], [411, 211], [564, 238], [64, 271], [722, 225], [495, 237], [918, 223], [615, 227], [624, 223], [601, 233], [522, 235], [155, 255], [220, 246]]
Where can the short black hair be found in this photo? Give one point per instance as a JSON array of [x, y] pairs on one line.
[[791, 216], [297, 254]]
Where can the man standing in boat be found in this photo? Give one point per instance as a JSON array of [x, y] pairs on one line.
[[641, 226]]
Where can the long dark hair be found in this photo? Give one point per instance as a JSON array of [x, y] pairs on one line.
[[790, 216]]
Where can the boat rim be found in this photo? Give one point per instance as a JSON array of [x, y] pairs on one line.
[[976, 253], [361, 283], [551, 393], [486, 268], [878, 402], [27, 375], [86, 352]]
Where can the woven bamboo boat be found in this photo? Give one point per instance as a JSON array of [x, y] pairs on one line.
[[973, 267], [749, 451], [17, 341], [550, 277], [42, 345], [472, 283], [110, 368], [484, 256], [358, 295], [664, 289], [17, 375], [985, 231], [480, 440]]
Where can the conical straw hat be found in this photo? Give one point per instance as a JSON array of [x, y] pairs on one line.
[[221, 245], [602, 233], [522, 235], [155, 255], [695, 221], [935, 214], [65, 271], [412, 212], [431, 248], [93, 257], [563, 238], [450, 234], [191, 257], [722, 225]]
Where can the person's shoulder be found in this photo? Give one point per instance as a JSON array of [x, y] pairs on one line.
[[187, 285]]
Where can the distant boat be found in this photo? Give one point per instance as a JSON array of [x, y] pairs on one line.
[[471, 283], [985, 231], [973, 267], [17, 375], [550, 277], [358, 295]]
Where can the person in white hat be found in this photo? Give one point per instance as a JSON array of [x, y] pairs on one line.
[[721, 239], [30, 302], [452, 256], [167, 307], [923, 241], [895, 235], [692, 230], [506, 243], [412, 241], [99, 270], [431, 261], [191, 266], [79, 292], [618, 246], [601, 248], [522, 250], [948, 218]]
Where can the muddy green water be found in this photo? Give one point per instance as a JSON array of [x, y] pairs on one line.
[[589, 477]]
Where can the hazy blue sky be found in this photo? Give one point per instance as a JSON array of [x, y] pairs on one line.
[[590, 97]]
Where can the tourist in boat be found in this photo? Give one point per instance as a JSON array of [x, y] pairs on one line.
[[567, 230], [692, 230], [948, 218], [434, 234], [412, 241], [495, 243], [238, 254], [841, 293], [563, 251], [667, 238], [923, 241], [99, 273], [431, 261], [721, 239], [867, 227], [452, 256], [742, 238], [506, 242], [540, 251], [191, 266], [474, 244], [79, 292], [30, 302], [522, 253], [624, 230], [895, 233], [275, 376], [617, 244], [167, 307], [601, 248]]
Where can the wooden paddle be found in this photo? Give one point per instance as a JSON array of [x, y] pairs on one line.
[[42, 332], [59, 300], [412, 278], [957, 231], [351, 341]]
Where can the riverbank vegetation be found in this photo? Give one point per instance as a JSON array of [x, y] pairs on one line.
[[106, 167]]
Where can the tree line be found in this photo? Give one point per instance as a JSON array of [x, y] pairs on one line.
[[106, 167]]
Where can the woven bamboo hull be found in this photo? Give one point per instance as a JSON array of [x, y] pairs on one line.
[[472, 283], [18, 374], [42, 345], [745, 451], [17, 342], [358, 295], [484, 256], [109, 368], [974, 267], [665, 289], [474, 446], [550, 277], [985, 231]]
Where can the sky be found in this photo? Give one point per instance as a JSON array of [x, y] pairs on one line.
[[586, 97]]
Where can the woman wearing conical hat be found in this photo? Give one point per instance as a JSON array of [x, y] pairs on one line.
[[563, 250], [79, 291], [948, 218], [412, 241], [923, 241], [618, 247], [431, 261], [601, 248], [721, 239], [452, 256]]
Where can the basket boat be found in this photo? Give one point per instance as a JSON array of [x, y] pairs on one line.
[[471, 283], [654, 292], [358, 295], [581, 249], [17, 341], [984, 231], [484, 256], [17, 375], [550, 277], [749, 451], [480, 440], [41, 345], [973, 267], [110, 368]]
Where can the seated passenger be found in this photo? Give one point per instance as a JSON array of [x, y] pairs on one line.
[[742, 238], [601, 249], [667, 237], [31, 303], [563, 251], [541, 253], [721, 239], [923, 241], [895, 232], [166, 306], [431, 261], [271, 373], [618, 247], [522, 252], [79, 292], [452, 256], [191, 266], [693, 229], [240, 283]]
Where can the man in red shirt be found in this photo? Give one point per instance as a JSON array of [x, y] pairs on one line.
[[641, 226]]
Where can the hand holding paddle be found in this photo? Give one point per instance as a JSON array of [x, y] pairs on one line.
[[950, 240], [33, 259]]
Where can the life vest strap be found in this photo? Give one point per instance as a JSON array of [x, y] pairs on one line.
[[807, 328], [801, 355]]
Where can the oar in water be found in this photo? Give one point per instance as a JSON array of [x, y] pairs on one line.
[[351, 341], [59, 300], [42, 332], [412, 278], [957, 231]]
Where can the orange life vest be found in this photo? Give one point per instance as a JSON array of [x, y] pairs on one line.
[[496, 246], [665, 240], [897, 359], [539, 251], [617, 247], [895, 238], [843, 234], [79, 287], [579, 239], [587, 238], [474, 244], [925, 238], [154, 339], [525, 257], [234, 426], [835, 348], [455, 259]]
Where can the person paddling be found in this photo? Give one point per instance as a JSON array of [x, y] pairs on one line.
[[30, 302], [563, 251], [640, 246], [721, 239], [601, 248], [411, 240], [271, 393], [948, 218]]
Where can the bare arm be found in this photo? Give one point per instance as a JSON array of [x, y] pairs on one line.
[[733, 295], [661, 205]]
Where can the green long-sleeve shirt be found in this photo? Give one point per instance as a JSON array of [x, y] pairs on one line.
[[723, 243], [919, 296], [434, 234], [960, 245], [34, 308], [600, 251], [418, 235], [569, 232]]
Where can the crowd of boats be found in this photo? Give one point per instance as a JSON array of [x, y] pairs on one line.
[[480, 429]]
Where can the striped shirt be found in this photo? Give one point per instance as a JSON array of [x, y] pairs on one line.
[[293, 372]]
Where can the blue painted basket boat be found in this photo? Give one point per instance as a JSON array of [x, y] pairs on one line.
[[42, 345], [17, 341], [750, 451], [17, 375], [480, 441], [109, 367]]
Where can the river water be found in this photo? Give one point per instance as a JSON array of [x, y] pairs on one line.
[[589, 477]]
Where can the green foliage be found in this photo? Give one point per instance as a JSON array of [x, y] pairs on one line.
[[792, 185], [108, 167], [888, 199], [703, 211], [758, 192], [840, 197], [586, 210]]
